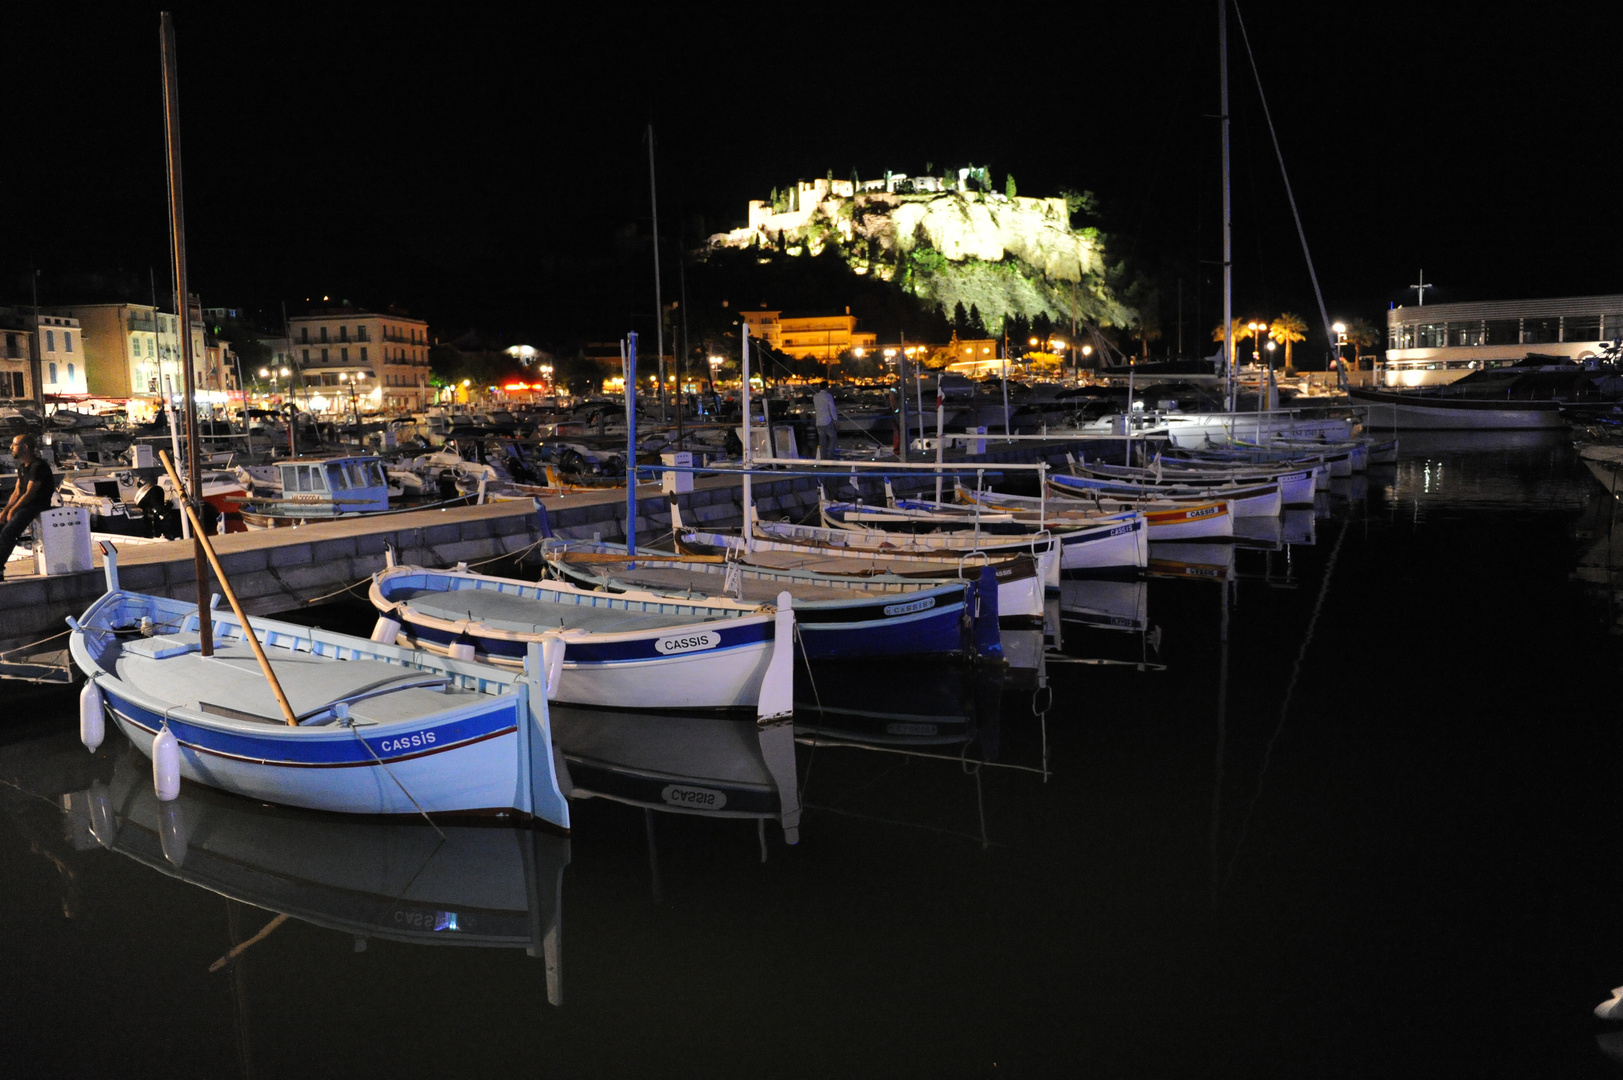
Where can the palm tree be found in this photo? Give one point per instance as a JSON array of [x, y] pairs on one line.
[[1362, 336], [1287, 329], [1238, 334]]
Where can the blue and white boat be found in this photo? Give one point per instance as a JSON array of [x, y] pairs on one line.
[[320, 489], [380, 729], [631, 650], [838, 617]]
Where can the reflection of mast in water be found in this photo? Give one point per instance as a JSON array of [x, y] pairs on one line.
[[1220, 879], [932, 713]]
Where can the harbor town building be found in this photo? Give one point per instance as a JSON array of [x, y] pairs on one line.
[[1436, 343], [366, 360]]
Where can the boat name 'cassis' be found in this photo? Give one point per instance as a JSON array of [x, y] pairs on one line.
[[407, 742], [907, 609], [707, 639]]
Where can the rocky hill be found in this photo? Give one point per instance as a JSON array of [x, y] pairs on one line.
[[1006, 256]]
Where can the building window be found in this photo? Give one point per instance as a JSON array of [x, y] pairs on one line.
[[50, 343], [343, 355], [323, 333], [304, 335], [306, 355], [67, 340], [1581, 328], [70, 373], [360, 333], [53, 375], [363, 350], [323, 356]]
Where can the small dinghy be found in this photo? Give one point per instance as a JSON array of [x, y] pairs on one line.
[[630, 650]]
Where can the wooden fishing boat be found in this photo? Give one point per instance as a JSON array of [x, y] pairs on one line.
[[1095, 541], [632, 650], [1163, 521], [1254, 500], [380, 729], [1297, 484], [837, 617], [1021, 580]]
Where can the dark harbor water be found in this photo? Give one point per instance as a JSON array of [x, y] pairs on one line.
[[1342, 807]]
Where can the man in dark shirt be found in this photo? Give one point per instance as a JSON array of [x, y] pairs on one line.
[[31, 495]]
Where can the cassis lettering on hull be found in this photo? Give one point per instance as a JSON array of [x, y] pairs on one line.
[[408, 742], [691, 642]]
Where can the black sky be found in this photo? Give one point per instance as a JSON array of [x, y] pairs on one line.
[[476, 166]]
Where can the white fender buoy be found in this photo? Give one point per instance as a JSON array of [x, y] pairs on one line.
[[552, 662], [462, 650], [92, 717], [172, 832], [166, 765], [385, 632], [103, 821], [1612, 1008]]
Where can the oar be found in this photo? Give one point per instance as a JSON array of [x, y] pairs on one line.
[[219, 572]]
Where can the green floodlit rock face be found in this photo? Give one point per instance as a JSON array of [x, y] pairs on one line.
[[1006, 257]]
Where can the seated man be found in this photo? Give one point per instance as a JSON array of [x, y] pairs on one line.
[[31, 495]]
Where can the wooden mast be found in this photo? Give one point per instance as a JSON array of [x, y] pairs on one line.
[[183, 313]]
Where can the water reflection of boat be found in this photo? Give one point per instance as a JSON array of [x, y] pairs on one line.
[[1105, 605], [717, 766], [470, 886], [1192, 559]]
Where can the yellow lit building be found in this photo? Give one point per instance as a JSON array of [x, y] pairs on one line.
[[129, 349], [814, 337], [361, 360]]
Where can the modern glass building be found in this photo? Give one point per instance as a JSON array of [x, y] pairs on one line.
[[1437, 343]]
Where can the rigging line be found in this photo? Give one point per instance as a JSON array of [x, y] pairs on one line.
[[355, 729], [819, 740], [1284, 706], [1313, 275]]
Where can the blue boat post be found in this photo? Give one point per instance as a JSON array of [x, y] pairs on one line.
[[631, 449]]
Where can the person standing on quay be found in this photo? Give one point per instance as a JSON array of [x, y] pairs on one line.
[[828, 436], [31, 495]]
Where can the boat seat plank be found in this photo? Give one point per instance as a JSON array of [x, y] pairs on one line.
[[528, 615], [230, 682]]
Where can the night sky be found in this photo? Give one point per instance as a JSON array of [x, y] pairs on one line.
[[490, 171]]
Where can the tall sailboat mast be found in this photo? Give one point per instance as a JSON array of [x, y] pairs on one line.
[[1228, 238], [183, 313]]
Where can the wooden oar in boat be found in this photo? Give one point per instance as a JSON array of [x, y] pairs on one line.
[[230, 594]]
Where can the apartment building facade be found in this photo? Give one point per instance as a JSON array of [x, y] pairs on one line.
[[365, 360]]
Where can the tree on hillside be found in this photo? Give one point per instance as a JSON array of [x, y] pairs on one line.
[[1008, 185], [960, 320], [1361, 335], [1288, 329], [977, 328]]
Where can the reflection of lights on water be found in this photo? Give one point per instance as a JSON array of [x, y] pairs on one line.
[[445, 920]]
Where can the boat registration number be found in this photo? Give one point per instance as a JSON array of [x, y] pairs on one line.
[[1205, 511], [702, 798], [907, 609], [681, 643]]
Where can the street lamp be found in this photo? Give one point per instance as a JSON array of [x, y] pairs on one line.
[[1256, 329], [1340, 330]]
